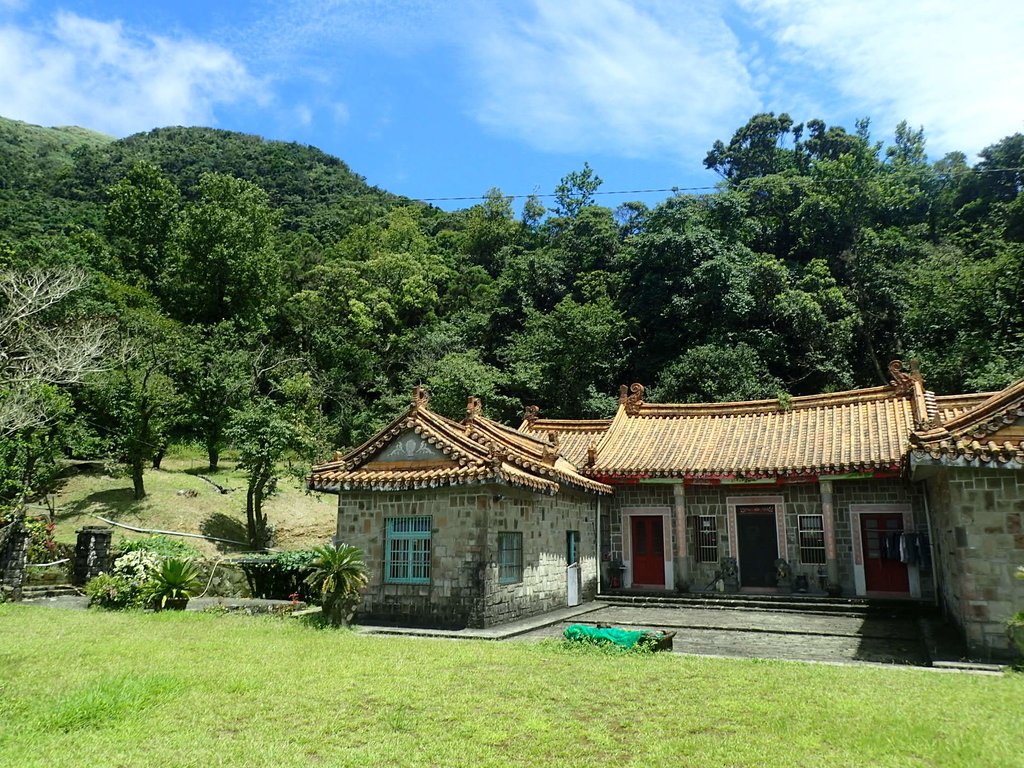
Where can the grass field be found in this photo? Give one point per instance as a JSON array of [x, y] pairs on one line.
[[101, 689], [301, 519]]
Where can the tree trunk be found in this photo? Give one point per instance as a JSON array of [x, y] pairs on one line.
[[137, 481], [254, 516], [213, 454]]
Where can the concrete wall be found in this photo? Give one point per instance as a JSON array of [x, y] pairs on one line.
[[977, 516], [464, 588]]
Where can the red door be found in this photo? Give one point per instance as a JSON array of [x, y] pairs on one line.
[[648, 551], [883, 571]]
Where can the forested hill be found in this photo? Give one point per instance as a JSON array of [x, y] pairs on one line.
[[56, 177], [228, 290]]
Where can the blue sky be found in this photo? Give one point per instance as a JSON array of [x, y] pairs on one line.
[[448, 99]]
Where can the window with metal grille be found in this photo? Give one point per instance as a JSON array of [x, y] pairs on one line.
[[812, 539], [510, 558], [407, 550], [705, 538]]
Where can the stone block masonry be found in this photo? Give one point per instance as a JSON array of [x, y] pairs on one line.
[[977, 515], [466, 521]]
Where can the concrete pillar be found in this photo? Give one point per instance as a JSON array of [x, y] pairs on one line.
[[682, 546], [92, 553], [828, 523]]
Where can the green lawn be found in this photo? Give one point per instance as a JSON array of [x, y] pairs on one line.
[[102, 689]]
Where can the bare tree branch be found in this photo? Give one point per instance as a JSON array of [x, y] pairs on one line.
[[38, 349]]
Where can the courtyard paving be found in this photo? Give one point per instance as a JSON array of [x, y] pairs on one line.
[[766, 635]]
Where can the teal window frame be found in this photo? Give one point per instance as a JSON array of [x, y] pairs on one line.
[[407, 550], [510, 557]]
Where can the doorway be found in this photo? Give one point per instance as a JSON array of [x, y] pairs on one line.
[[883, 570], [757, 545], [648, 537]]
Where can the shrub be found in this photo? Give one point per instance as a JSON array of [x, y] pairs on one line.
[[279, 575], [114, 592], [137, 566], [161, 546]]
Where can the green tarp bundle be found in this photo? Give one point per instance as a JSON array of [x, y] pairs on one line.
[[624, 638]]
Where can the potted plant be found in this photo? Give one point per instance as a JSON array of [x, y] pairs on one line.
[[338, 573], [173, 583]]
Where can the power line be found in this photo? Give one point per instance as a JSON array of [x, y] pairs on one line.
[[712, 187]]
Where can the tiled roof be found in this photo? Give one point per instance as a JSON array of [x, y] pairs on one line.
[[948, 407], [574, 437], [978, 432], [854, 431], [475, 451]]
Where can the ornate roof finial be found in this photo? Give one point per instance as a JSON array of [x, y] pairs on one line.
[[592, 453], [551, 449], [498, 455], [632, 398], [474, 406], [420, 397], [903, 381], [532, 414]]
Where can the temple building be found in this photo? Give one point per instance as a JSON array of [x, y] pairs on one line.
[[889, 491]]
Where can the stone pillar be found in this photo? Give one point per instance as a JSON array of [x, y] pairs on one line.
[[13, 557], [92, 553], [682, 546], [828, 523]]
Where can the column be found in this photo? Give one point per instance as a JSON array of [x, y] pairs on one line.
[[828, 523], [682, 550]]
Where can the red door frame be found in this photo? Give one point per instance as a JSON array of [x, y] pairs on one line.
[[882, 574]]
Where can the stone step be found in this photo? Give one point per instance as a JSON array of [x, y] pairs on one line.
[[35, 591], [809, 604]]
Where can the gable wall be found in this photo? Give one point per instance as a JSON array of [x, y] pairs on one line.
[[464, 588]]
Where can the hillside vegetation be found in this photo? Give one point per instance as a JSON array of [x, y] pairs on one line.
[[203, 286]]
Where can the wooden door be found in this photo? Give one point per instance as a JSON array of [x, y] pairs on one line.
[[757, 545], [648, 551], [883, 571]]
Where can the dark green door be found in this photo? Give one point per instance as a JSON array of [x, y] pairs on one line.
[[757, 543]]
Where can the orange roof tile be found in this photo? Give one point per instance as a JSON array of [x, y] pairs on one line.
[[574, 437], [477, 450], [978, 431], [854, 431]]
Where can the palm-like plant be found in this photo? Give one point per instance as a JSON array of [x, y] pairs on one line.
[[338, 573], [174, 581]]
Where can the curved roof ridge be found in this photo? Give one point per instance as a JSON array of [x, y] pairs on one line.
[[798, 402], [985, 417]]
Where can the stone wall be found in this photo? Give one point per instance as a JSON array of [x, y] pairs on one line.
[[977, 517], [881, 491], [543, 521], [466, 521]]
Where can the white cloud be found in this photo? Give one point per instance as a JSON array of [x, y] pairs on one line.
[[97, 75], [640, 79], [956, 68], [303, 114]]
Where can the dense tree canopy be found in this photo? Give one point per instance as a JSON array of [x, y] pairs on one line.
[[268, 299]]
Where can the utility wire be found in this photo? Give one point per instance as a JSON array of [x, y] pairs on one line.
[[712, 187]]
